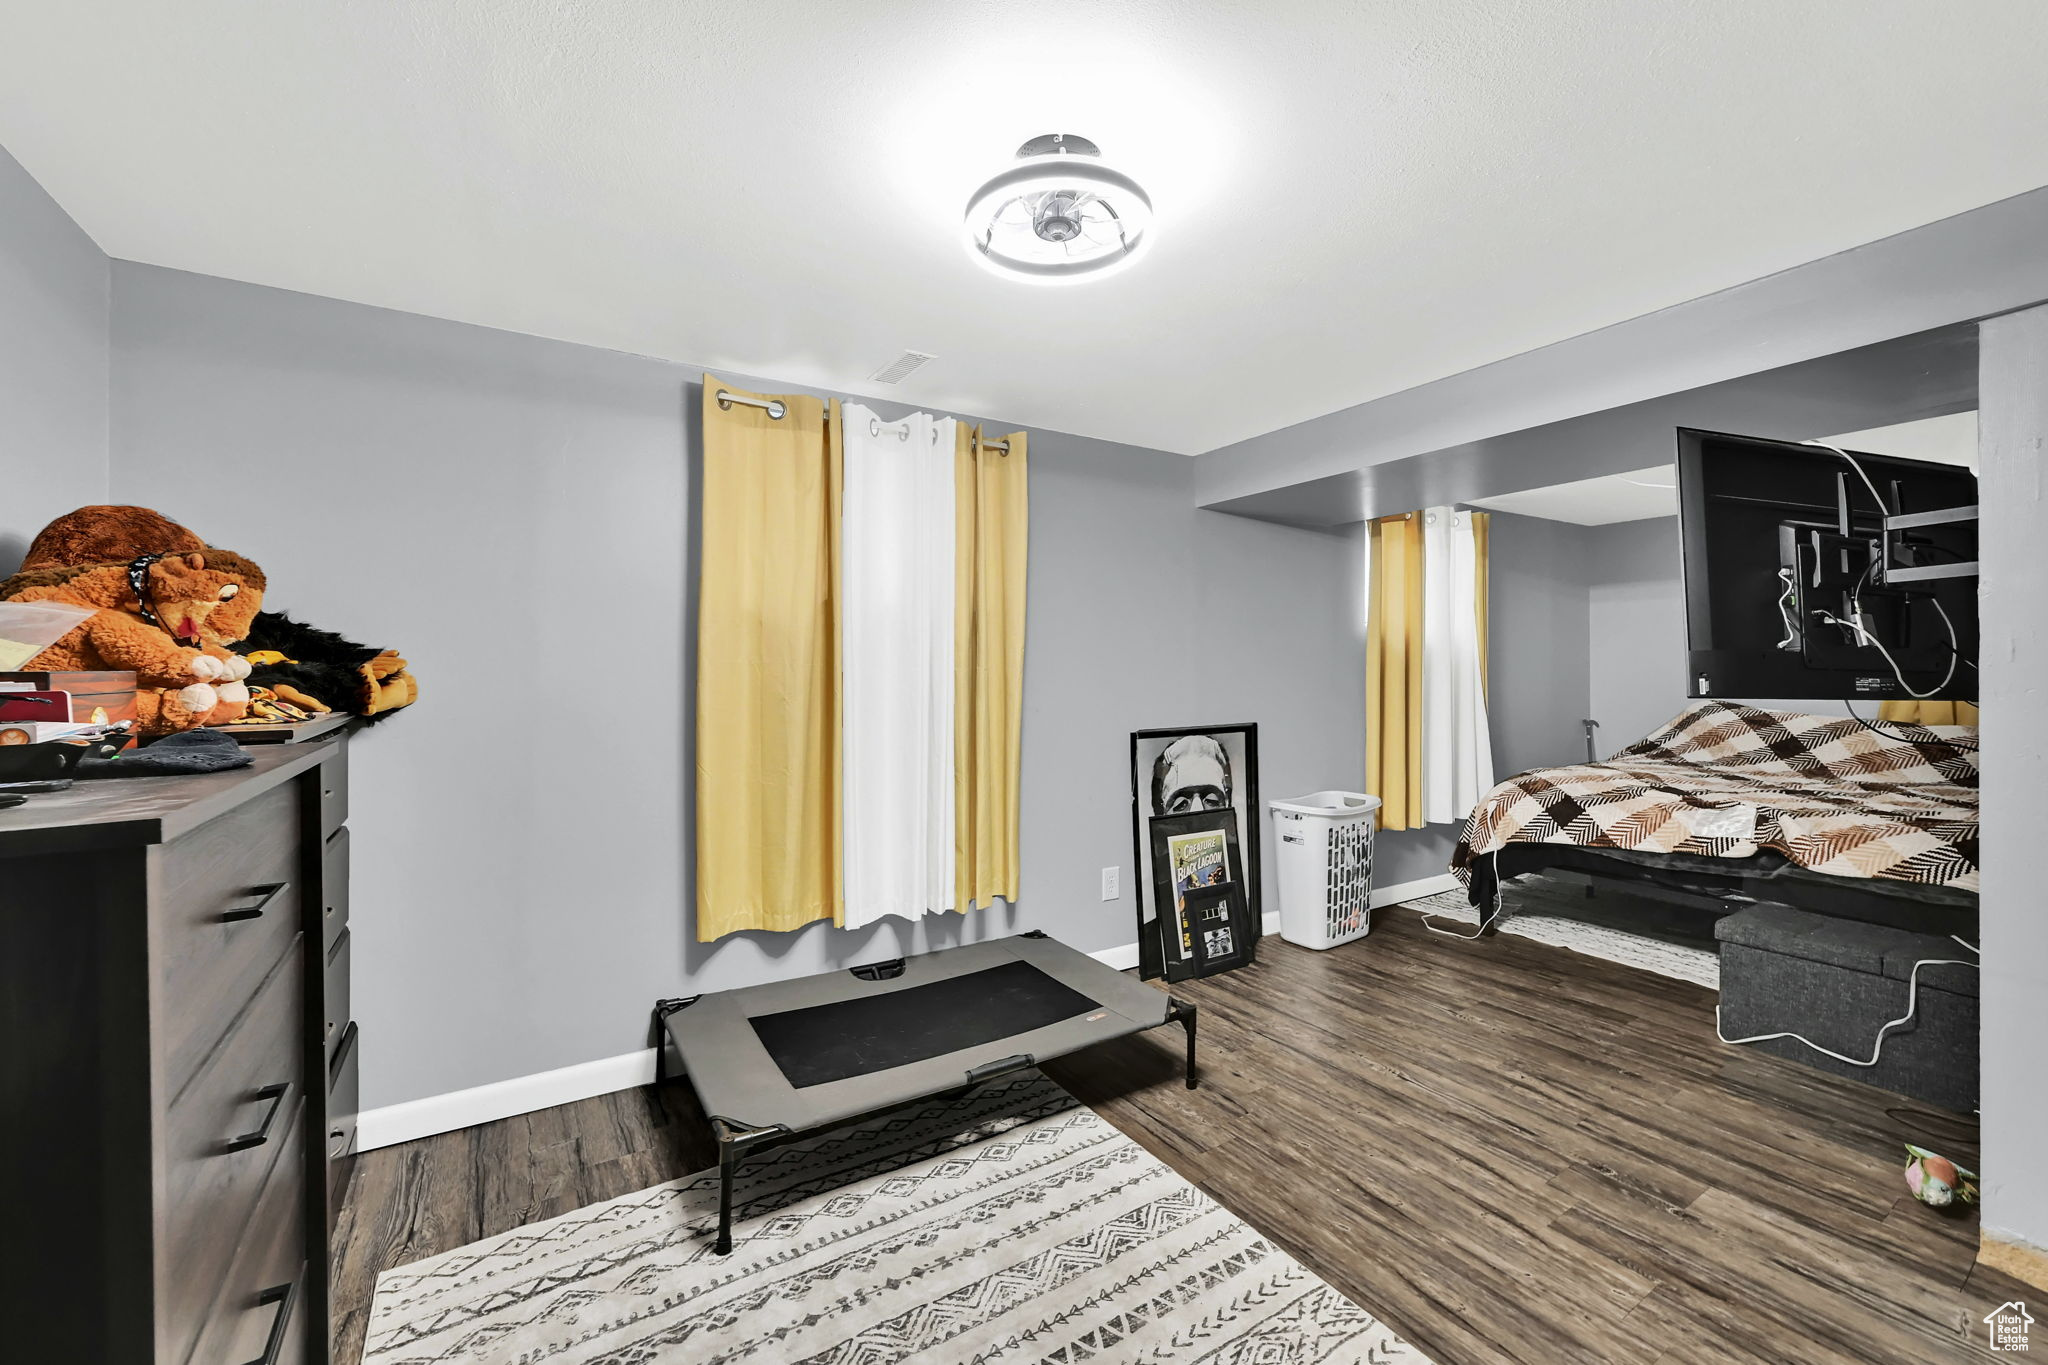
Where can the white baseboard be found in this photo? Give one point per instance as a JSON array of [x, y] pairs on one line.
[[1126, 957], [1120, 959], [1408, 891], [396, 1123]]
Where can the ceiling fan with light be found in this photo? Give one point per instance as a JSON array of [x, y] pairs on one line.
[[1060, 214]]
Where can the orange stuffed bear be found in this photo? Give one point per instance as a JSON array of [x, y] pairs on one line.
[[103, 534], [151, 619]]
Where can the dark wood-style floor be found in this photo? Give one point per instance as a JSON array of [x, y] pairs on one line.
[[1508, 1151]]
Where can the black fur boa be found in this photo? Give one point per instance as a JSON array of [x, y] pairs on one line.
[[325, 665]]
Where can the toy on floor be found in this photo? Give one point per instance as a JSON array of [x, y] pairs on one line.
[[1938, 1182]]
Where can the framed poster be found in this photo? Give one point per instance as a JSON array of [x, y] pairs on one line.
[[1184, 784], [1215, 916], [1194, 852]]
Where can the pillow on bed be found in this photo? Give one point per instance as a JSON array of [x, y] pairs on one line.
[[1723, 734]]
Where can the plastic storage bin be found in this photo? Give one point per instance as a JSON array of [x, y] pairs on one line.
[[1325, 867]]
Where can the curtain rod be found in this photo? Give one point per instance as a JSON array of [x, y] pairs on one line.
[[778, 409]]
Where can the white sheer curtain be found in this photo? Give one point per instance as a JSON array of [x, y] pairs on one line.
[[1457, 749], [896, 665]]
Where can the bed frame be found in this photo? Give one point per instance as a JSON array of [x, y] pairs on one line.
[[1736, 882], [786, 1059]]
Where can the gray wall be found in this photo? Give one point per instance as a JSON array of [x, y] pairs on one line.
[[1284, 605], [1636, 628], [515, 514], [2013, 467], [1538, 672], [53, 363]]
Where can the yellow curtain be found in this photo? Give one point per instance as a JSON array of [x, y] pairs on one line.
[[992, 525], [1393, 670], [767, 667], [1393, 659], [1928, 712]]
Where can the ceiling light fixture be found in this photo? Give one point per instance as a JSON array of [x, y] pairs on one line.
[[1058, 215]]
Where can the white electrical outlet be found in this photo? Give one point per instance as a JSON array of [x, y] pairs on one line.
[[1112, 883]]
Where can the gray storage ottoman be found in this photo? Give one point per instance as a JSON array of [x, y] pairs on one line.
[[1837, 982]]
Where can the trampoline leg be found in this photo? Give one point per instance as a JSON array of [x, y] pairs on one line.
[[1186, 1014], [658, 1035], [728, 1157], [735, 1140]]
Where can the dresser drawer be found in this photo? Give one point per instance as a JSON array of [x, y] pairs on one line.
[[333, 779], [334, 887], [335, 997], [260, 1312], [236, 1126], [342, 1107], [228, 908], [342, 1103]]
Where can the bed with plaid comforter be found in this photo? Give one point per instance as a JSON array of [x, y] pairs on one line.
[[1727, 781]]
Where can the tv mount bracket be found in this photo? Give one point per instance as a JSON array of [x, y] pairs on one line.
[[1896, 572]]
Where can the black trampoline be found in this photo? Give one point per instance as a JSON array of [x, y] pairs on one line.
[[779, 1060]]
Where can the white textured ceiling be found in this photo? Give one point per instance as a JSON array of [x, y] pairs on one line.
[[1951, 439], [1352, 198], [1635, 496]]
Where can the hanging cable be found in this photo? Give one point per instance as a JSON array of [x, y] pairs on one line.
[[1855, 623], [1855, 464], [1499, 902], [1955, 652], [1877, 1046], [1790, 580]]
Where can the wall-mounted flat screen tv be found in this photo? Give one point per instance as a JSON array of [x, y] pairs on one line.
[[1814, 574]]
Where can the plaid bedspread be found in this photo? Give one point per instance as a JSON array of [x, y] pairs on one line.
[[1727, 781]]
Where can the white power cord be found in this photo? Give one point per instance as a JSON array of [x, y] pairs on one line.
[[1856, 465], [1877, 1047], [1499, 903], [1955, 651], [1790, 580]]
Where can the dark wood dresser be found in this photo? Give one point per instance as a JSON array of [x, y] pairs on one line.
[[177, 1063]]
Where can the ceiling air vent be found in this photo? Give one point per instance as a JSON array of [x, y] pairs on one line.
[[896, 370]]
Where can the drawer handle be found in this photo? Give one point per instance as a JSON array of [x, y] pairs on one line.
[[284, 1296], [261, 1133], [259, 898]]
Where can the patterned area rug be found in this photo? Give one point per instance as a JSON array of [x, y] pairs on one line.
[[1013, 1226], [1697, 965]]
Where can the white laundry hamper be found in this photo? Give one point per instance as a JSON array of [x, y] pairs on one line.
[[1325, 867]]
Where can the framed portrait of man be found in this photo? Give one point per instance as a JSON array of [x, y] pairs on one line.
[[1195, 806]]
